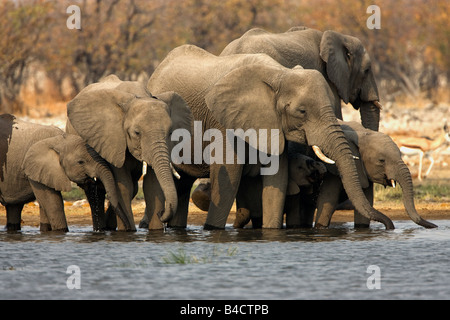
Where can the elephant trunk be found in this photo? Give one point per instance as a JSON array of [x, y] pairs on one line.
[[403, 177], [370, 114], [103, 172], [336, 147], [158, 153]]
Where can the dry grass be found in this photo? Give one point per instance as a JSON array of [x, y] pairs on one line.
[[421, 101]]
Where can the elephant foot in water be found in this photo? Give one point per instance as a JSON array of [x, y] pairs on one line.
[[242, 218]]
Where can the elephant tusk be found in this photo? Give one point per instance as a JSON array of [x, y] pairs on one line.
[[144, 168], [355, 157], [378, 105], [174, 172], [95, 179], [321, 156], [393, 183]]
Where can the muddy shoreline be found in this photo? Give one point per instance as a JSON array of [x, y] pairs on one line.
[[79, 214]]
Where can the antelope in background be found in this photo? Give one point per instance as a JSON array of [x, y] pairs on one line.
[[422, 146]]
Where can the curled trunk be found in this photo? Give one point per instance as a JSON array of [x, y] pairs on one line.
[[370, 115], [103, 172], [336, 147], [355, 193], [403, 177], [159, 158]]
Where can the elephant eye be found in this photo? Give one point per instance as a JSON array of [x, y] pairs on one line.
[[381, 161], [81, 162], [349, 55]]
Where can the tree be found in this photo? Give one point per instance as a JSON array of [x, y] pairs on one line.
[[21, 27]]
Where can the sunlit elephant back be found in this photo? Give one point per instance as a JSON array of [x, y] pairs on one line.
[[342, 59]]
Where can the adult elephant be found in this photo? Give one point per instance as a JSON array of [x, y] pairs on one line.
[[38, 162], [255, 92], [342, 60], [127, 125], [379, 162]]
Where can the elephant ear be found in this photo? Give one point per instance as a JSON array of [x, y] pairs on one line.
[[334, 52], [42, 164], [179, 111], [97, 116], [245, 99]]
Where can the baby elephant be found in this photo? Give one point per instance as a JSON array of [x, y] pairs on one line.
[[378, 160], [38, 162], [305, 175]]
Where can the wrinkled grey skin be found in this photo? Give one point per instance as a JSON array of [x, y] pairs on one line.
[[38, 162], [380, 162], [305, 175], [302, 192], [255, 92], [127, 125], [342, 60]]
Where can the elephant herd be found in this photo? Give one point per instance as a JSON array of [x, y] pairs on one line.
[[290, 84]]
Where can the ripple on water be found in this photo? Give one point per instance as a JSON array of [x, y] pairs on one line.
[[228, 264]]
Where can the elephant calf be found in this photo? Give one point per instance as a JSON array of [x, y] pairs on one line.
[[305, 175], [38, 162], [378, 161]]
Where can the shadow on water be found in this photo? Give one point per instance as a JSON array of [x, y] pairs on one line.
[[338, 232]]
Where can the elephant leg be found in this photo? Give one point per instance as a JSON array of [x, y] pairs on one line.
[[327, 200], [225, 181], [110, 219], [184, 187], [300, 210], [127, 179], [154, 198], [154, 202], [125, 185], [95, 194], [44, 223], [52, 203], [308, 204], [13, 216], [242, 218], [292, 210], [274, 194], [359, 220], [249, 203]]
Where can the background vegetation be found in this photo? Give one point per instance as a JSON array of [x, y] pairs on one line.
[[43, 64]]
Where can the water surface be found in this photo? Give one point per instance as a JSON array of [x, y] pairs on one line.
[[412, 263]]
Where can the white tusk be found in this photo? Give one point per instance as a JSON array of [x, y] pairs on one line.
[[144, 168], [95, 179], [355, 157], [378, 105], [393, 183], [321, 156], [174, 172]]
